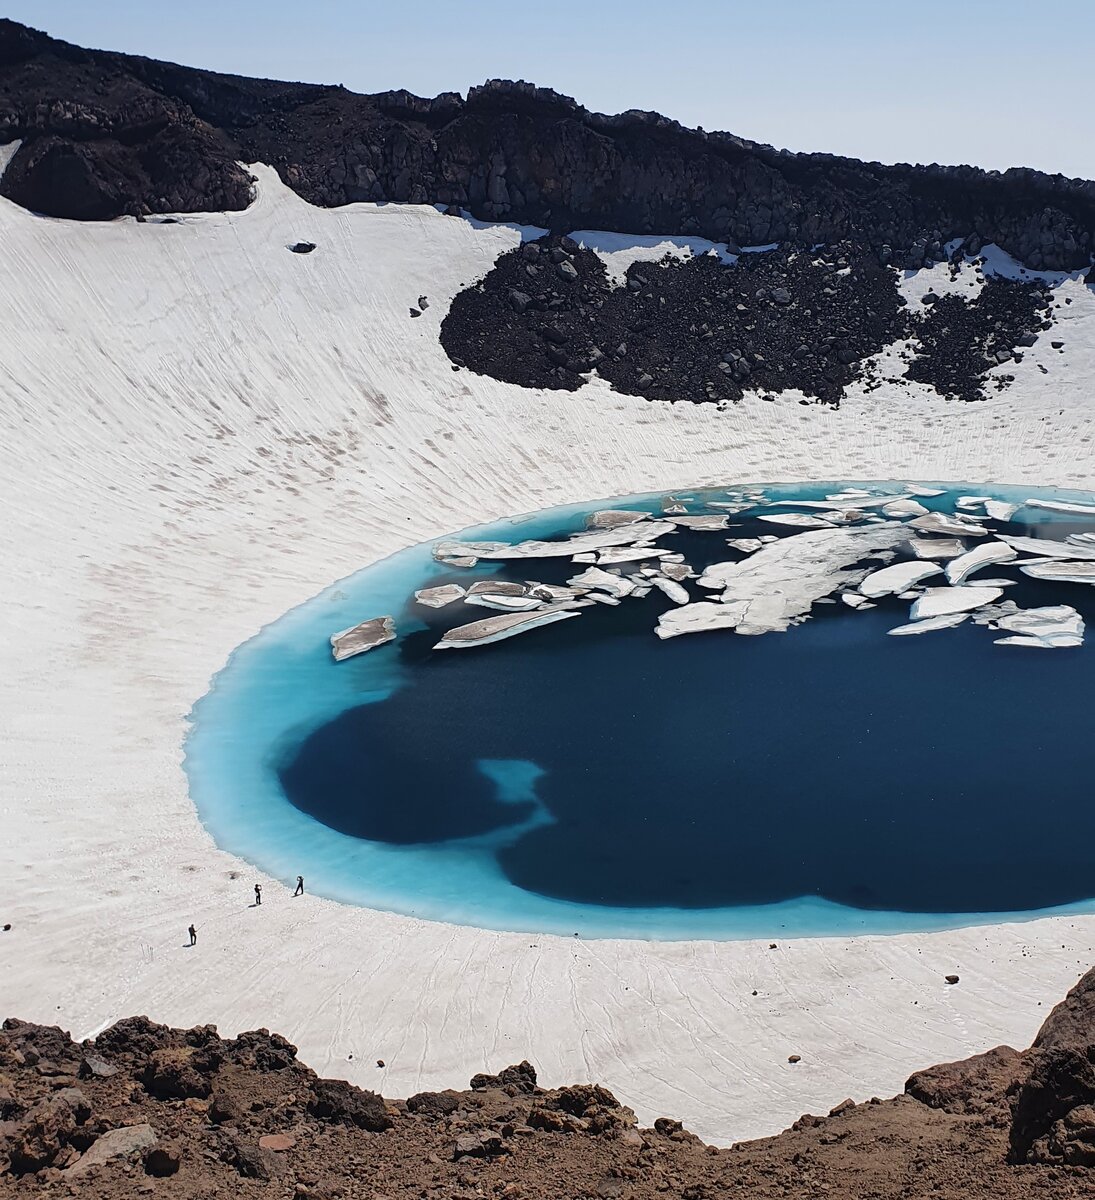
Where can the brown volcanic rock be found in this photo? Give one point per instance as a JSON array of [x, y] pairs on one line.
[[291, 1134], [1054, 1118], [978, 1085], [106, 134]]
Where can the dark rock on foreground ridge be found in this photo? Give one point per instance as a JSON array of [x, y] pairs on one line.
[[243, 1117], [106, 134]]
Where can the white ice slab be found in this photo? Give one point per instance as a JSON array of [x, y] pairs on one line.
[[1061, 506], [959, 569], [1053, 626], [594, 577], [904, 508], [497, 629], [613, 518], [936, 548], [672, 589], [1045, 548], [778, 585], [710, 521], [951, 526], [1061, 572], [745, 545], [918, 489], [945, 621], [503, 603], [896, 578], [1000, 510], [799, 520], [580, 543], [624, 554], [937, 602]]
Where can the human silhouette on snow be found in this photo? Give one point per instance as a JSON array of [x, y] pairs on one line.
[[300, 886], [258, 893], [193, 935]]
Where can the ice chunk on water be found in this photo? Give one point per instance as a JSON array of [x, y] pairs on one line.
[[937, 602], [936, 548], [953, 526], [800, 520], [1061, 572], [896, 578], [946, 621], [438, 597], [959, 569], [1054, 626]]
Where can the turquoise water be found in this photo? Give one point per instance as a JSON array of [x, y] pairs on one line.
[[505, 787]]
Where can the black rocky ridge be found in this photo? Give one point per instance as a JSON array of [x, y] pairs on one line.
[[703, 330], [107, 134]]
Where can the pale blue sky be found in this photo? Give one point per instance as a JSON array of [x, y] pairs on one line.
[[1004, 83]]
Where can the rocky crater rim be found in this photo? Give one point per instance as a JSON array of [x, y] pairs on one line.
[[106, 134]]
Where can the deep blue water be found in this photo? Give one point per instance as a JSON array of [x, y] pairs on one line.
[[587, 777]]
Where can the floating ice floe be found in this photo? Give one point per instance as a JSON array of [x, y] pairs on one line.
[[896, 578], [1061, 506], [438, 597], [799, 520], [1061, 572], [918, 489], [952, 526], [745, 545], [904, 508], [937, 602], [613, 518], [855, 600], [1044, 548], [506, 625], [498, 587], [778, 585], [594, 577], [971, 501], [945, 621], [959, 569], [673, 510], [672, 589], [1056, 626], [366, 636], [711, 521], [677, 571], [999, 510], [849, 501], [505, 603], [552, 591], [625, 554], [936, 548], [1081, 539], [635, 531]]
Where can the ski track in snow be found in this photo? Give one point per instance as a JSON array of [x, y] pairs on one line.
[[201, 431]]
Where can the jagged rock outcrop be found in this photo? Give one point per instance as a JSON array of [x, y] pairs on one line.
[[106, 134], [1055, 1106], [231, 1116]]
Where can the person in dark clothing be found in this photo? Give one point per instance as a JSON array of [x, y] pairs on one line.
[[258, 893], [193, 935], [300, 886]]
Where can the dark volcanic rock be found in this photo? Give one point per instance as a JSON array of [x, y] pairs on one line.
[[520, 1079], [106, 134], [339, 1101], [702, 330], [976, 1085]]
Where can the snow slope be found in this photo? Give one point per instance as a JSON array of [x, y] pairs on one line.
[[202, 430]]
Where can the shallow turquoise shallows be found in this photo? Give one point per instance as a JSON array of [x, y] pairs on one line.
[[589, 778]]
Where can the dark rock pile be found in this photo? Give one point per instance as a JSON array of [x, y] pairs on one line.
[[700, 330], [145, 1109], [106, 134]]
